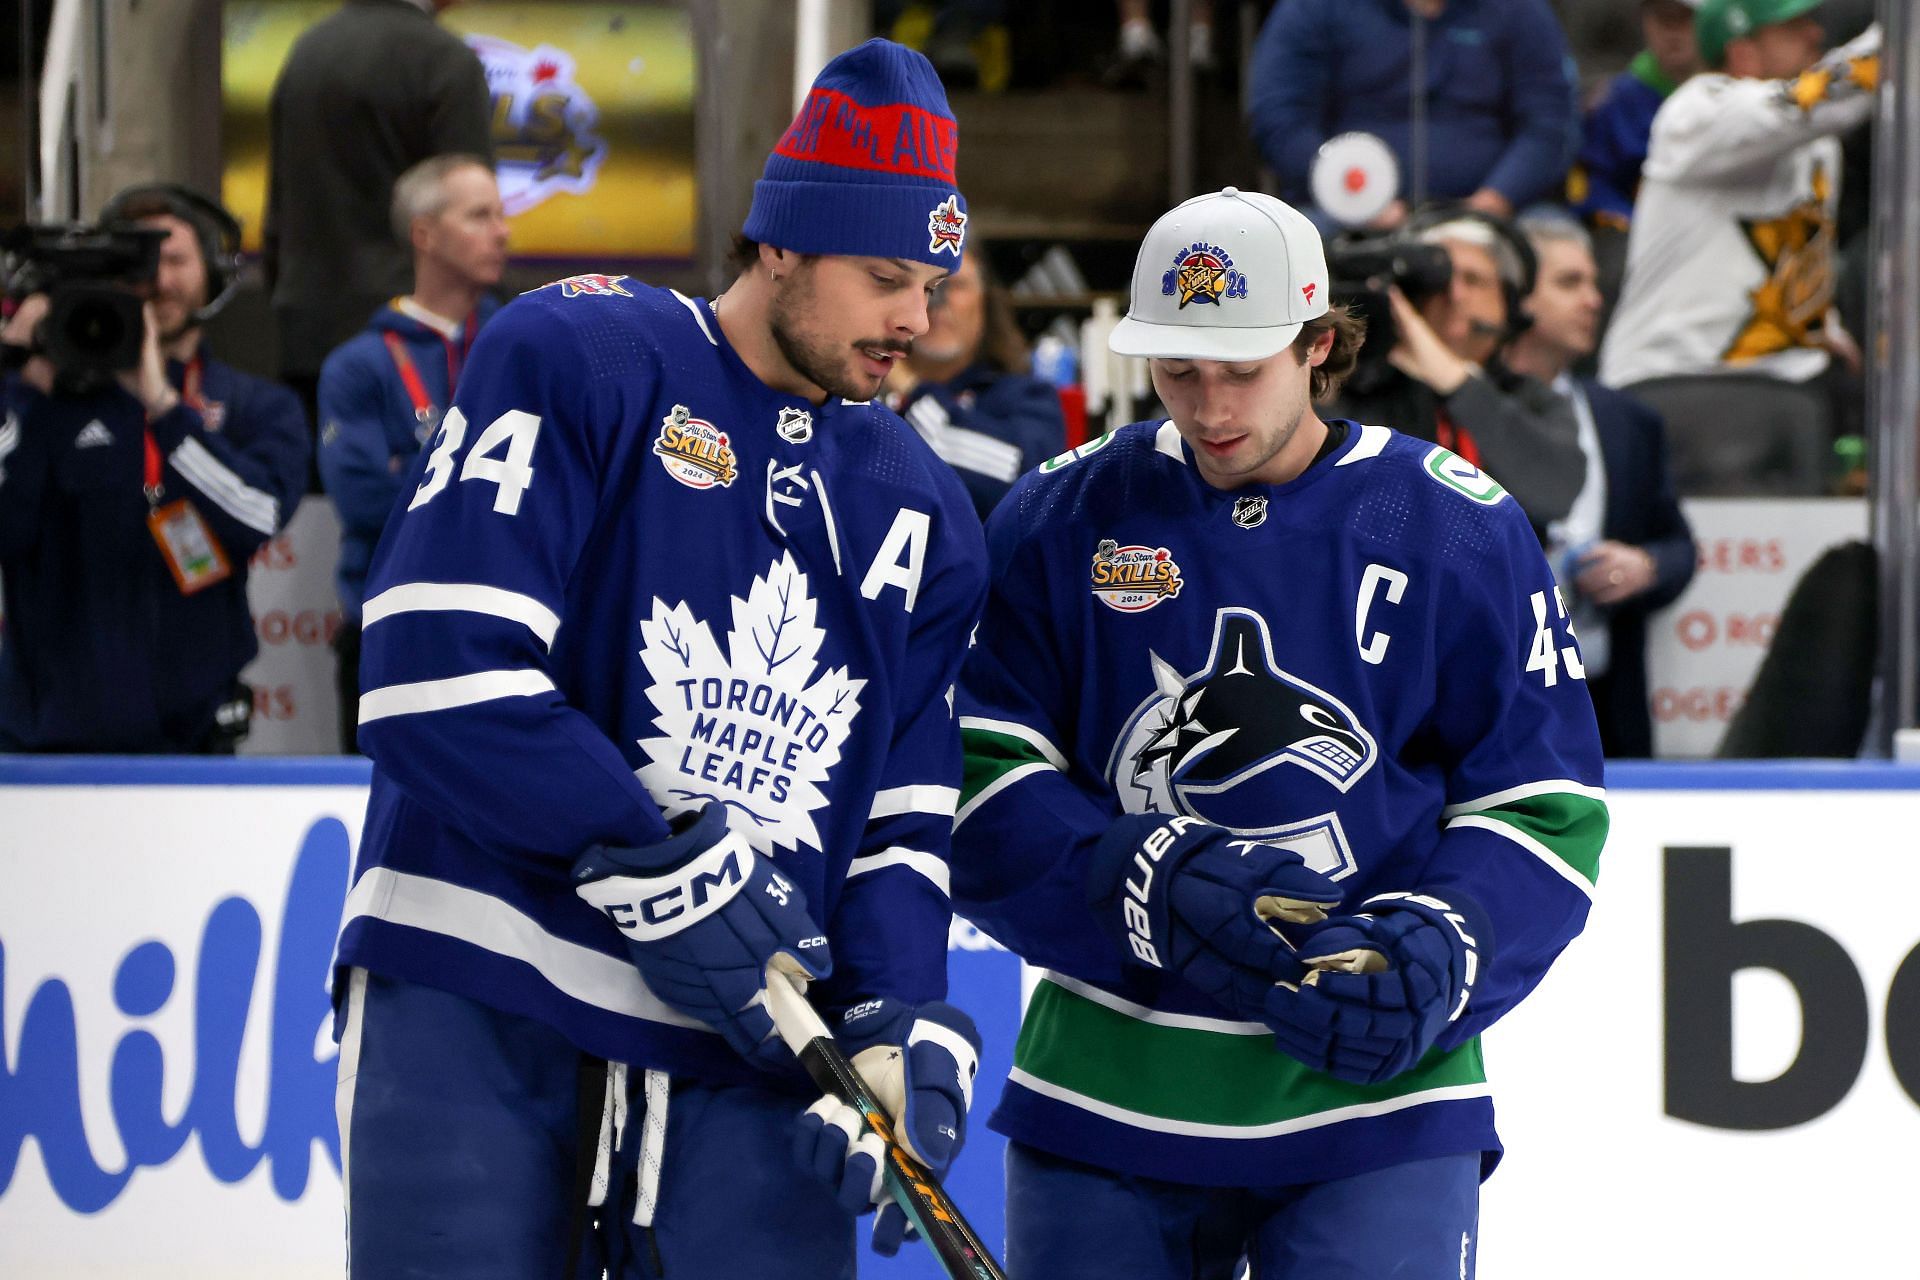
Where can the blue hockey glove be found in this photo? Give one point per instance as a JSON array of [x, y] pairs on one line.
[[1382, 985], [704, 915], [1195, 900], [920, 1063]]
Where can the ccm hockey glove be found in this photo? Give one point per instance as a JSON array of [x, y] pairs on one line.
[[1382, 985], [704, 915], [920, 1063], [1194, 900]]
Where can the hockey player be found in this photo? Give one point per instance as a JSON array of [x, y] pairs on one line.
[[659, 658], [1245, 663]]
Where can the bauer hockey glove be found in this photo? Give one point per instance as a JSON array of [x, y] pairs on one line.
[[1382, 985], [704, 915], [1195, 900], [920, 1063]]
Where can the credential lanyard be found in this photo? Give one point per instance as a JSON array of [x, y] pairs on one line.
[[410, 377], [155, 467]]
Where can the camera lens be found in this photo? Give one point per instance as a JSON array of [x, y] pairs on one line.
[[94, 326]]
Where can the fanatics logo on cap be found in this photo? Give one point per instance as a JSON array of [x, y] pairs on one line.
[[795, 426], [693, 451], [946, 227], [1133, 579], [1203, 273]]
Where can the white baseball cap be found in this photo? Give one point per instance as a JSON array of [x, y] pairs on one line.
[[1227, 276]]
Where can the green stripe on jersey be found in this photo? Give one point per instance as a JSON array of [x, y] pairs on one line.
[[989, 756], [1571, 827], [1185, 1075]]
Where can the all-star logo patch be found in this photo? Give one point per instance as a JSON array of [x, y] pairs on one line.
[[592, 286], [1203, 273], [694, 451], [946, 227], [1250, 512], [1133, 579], [795, 426]]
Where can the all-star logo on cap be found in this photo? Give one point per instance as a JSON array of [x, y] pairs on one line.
[[946, 227], [1203, 273]]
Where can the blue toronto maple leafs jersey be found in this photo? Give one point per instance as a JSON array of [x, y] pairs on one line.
[[631, 579], [1368, 664]]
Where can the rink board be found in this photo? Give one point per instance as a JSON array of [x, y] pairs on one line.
[[166, 1069]]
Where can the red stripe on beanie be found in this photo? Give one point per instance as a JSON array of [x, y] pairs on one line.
[[832, 128]]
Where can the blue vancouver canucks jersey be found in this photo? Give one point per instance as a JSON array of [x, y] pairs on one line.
[[1368, 664], [631, 579]]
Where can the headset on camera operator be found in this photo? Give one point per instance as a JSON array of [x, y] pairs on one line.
[[137, 476], [1432, 369]]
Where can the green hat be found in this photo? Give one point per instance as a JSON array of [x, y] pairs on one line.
[[1719, 22]]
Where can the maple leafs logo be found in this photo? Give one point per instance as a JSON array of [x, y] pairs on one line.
[[757, 726]]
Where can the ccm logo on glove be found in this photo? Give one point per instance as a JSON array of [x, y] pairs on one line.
[[687, 894], [1133, 908]]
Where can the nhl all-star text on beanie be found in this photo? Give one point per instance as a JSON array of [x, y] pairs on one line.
[[866, 167]]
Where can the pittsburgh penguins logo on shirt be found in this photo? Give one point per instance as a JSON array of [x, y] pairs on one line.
[[1201, 735], [1790, 306]]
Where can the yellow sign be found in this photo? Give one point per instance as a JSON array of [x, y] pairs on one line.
[[593, 119]]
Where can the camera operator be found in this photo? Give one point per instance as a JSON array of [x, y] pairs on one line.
[[1440, 379], [131, 501]]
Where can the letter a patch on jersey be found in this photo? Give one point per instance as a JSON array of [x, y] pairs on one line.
[[757, 726]]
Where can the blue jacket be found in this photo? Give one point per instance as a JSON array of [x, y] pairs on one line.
[[990, 427], [1500, 92], [101, 651], [370, 432], [1613, 144]]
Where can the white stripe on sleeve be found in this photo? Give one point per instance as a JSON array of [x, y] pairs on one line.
[[252, 507], [455, 691], [463, 597], [937, 801], [912, 859]]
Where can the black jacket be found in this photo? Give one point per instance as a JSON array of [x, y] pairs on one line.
[[1642, 511], [1526, 436], [101, 651], [365, 94]]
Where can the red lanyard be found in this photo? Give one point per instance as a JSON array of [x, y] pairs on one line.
[[410, 376], [189, 396]]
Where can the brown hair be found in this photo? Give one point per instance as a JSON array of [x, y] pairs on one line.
[[1002, 345], [1349, 332]]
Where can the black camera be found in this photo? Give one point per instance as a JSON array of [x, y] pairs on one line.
[[94, 325], [1361, 268]]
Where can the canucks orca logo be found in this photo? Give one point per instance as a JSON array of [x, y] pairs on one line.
[[1201, 735]]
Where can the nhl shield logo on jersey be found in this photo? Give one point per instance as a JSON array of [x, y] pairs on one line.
[[1200, 735], [590, 285], [946, 227], [694, 451], [795, 425], [1203, 273], [1250, 512], [1133, 579]]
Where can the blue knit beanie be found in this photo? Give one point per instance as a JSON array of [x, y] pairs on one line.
[[866, 168]]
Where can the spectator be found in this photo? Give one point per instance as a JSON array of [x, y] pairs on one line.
[[1723, 323], [383, 392], [1625, 548], [1613, 144], [128, 512], [366, 93], [1441, 380], [966, 40], [1141, 49], [966, 389], [1498, 95]]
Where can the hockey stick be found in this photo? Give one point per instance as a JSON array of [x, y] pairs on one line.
[[917, 1192]]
